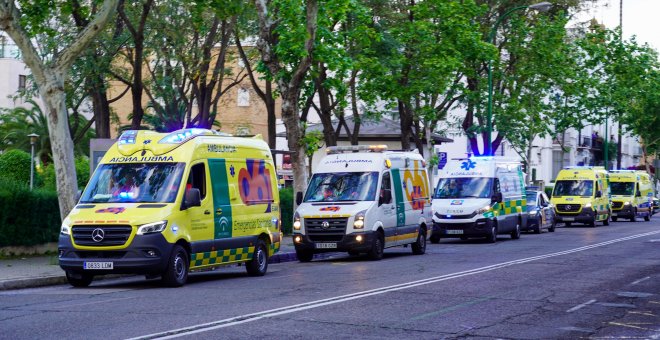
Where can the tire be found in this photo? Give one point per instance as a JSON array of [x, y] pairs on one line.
[[614, 218], [538, 229], [305, 255], [419, 247], [647, 217], [592, 224], [259, 263], [492, 237], [552, 226], [435, 239], [515, 234], [607, 220], [79, 280], [634, 216], [176, 272], [377, 247]]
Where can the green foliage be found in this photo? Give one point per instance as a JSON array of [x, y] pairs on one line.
[[286, 209], [15, 166], [27, 217], [312, 141], [82, 171]]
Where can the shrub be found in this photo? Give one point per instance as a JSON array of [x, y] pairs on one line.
[[286, 209], [82, 171], [27, 217], [15, 166]]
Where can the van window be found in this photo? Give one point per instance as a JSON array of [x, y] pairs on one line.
[[386, 185], [464, 187], [197, 179], [622, 188], [573, 188], [342, 186]]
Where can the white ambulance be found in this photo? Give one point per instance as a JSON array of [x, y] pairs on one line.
[[362, 199], [479, 197]]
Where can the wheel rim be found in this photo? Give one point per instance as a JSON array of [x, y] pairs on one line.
[[422, 241], [261, 258], [179, 267], [379, 246]]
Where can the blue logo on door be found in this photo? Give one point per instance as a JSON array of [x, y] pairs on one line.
[[469, 164]]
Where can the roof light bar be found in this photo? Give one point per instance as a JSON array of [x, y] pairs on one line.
[[128, 137], [355, 148], [180, 136]]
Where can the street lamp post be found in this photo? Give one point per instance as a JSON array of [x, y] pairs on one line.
[[33, 140], [541, 7]]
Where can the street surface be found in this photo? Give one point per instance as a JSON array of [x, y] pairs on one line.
[[577, 282]]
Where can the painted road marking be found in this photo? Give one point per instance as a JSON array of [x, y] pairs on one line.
[[641, 280], [634, 294], [617, 305], [580, 306], [241, 319]]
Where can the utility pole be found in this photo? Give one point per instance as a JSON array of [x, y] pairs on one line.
[[618, 148]]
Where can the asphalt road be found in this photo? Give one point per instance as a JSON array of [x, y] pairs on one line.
[[577, 282]]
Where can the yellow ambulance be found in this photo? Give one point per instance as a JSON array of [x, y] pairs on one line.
[[581, 194], [162, 204], [632, 195]]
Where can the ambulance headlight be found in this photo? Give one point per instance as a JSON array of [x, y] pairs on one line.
[[626, 203], [483, 210], [151, 228], [359, 220], [588, 205], [296, 222], [65, 229]]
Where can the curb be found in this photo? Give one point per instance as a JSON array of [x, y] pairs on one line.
[[52, 280]]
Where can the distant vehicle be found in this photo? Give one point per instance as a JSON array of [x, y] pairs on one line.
[[632, 195], [540, 212], [581, 194], [656, 205]]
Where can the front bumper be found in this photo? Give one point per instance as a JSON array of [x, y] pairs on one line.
[[445, 229], [134, 259], [347, 243], [586, 215], [627, 211]]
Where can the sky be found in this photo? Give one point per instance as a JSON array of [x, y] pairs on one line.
[[640, 18]]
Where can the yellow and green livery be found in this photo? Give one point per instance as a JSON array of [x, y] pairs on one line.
[[162, 204], [581, 194]]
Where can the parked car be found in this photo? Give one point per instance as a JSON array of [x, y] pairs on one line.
[[541, 213]]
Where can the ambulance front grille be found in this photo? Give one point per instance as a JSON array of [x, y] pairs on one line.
[[568, 208], [320, 231], [617, 205], [101, 235]]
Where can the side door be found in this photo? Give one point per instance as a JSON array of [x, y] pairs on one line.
[[222, 208], [546, 210], [201, 224], [386, 206]]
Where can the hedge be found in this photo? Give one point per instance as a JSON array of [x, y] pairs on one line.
[[286, 209], [27, 217], [15, 166]]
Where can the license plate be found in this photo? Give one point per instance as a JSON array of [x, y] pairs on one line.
[[97, 265], [613, 214], [454, 232], [569, 219], [332, 245]]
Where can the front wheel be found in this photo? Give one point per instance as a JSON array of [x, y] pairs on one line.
[[377, 247], [176, 273], [634, 216], [259, 263], [79, 279], [607, 220], [515, 234], [435, 239], [492, 236], [419, 247], [647, 217], [552, 226]]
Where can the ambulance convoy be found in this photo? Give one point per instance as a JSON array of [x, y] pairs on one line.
[[163, 204]]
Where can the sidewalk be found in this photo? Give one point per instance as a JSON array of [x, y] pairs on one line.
[[37, 271]]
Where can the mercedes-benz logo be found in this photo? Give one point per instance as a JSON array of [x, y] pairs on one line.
[[325, 225], [98, 234], [568, 207]]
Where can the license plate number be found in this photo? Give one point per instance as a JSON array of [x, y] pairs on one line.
[[568, 219], [331, 245], [98, 265], [455, 232]]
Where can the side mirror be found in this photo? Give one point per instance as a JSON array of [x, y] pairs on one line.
[[385, 197], [496, 198], [599, 193], [639, 194], [192, 199], [78, 195], [299, 198]]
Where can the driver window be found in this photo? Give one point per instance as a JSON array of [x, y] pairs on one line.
[[386, 186], [197, 179]]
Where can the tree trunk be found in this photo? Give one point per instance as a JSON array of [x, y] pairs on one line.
[[406, 126], [272, 118], [101, 108], [294, 135]]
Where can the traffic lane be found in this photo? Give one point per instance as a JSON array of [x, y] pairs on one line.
[[530, 300], [228, 292]]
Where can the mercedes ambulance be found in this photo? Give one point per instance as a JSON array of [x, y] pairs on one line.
[[162, 204], [632, 194], [479, 197], [362, 199], [581, 194]]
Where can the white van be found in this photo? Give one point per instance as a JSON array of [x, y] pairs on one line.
[[479, 197], [362, 199]]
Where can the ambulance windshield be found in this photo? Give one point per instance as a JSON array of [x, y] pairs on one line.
[[464, 187], [134, 182], [622, 188], [342, 186], [573, 188]]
